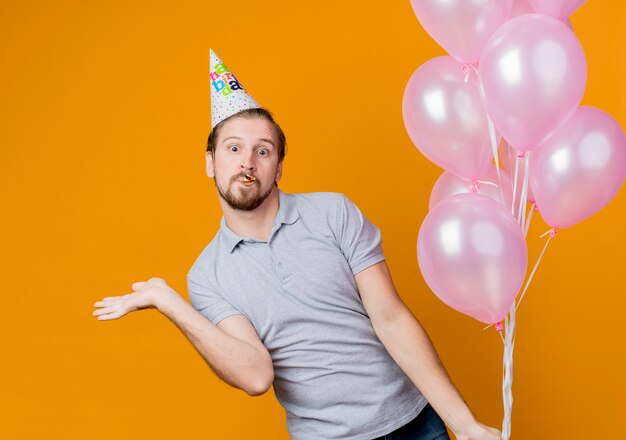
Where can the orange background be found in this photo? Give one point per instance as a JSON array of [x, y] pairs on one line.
[[104, 118]]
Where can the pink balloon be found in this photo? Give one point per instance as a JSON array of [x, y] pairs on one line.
[[560, 9], [521, 7], [507, 156], [580, 168], [532, 74], [461, 27], [449, 184], [473, 256], [445, 118]]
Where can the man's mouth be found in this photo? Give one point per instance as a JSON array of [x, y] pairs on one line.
[[248, 179]]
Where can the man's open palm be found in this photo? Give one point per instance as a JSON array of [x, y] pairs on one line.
[[144, 296]]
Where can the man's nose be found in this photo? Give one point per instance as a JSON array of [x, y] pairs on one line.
[[247, 162]]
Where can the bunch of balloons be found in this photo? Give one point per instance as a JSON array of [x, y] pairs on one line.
[[514, 77]]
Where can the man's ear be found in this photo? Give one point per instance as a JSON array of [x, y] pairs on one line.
[[279, 172], [210, 169]]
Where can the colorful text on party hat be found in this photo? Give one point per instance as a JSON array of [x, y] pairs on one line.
[[223, 80]]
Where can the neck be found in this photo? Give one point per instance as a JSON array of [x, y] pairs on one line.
[[255, 224]]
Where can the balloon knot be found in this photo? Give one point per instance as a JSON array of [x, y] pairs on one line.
[[521, 154], [552, 232], [473, 188], [535, 207], [499, 326], [467, 69]]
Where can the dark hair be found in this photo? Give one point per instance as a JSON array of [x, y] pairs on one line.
[[250, 114]]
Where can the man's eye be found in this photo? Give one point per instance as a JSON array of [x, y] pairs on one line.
[[263, 152], [234, 148]]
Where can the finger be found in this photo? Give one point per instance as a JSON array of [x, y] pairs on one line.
[[98, 312], [113, 298], [110, 313], [104, 311], [107, 302], [108, 317]]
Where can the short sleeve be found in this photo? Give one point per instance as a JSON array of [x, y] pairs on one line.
[[208, 302], [359, 239]]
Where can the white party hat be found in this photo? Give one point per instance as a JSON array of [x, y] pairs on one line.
[[227, 95]]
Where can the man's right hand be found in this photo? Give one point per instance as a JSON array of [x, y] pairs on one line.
[[147, 294], [233, 349]]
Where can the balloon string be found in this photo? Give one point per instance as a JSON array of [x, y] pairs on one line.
[[507, 371], [494, 149], [529, 218], [509, 329], [509, 339], [467, 68], [515, 185], [524, 195], [508, 149], [552, 233], [521, 195], [487, 183], [509, 322]]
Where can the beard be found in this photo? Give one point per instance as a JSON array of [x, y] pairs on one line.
[[243, 199]]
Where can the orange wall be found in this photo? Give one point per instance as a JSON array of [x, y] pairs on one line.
[[104, 113]]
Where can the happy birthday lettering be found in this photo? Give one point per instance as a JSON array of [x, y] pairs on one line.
[[223, 80]]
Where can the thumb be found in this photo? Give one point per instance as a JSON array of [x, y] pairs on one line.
[[155, 280], [139, 285]]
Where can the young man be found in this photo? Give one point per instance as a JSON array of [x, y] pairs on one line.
[[294, 292]]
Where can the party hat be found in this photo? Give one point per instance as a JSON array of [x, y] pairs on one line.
[[227, 95]]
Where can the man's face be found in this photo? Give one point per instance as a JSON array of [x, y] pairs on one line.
[[245, 164]]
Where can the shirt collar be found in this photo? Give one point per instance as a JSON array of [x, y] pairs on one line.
[[287, 214], [287, 210]]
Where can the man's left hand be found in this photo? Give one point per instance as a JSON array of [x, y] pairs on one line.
[[479, 432]]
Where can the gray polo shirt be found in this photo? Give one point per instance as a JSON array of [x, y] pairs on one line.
[[332, 374]]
